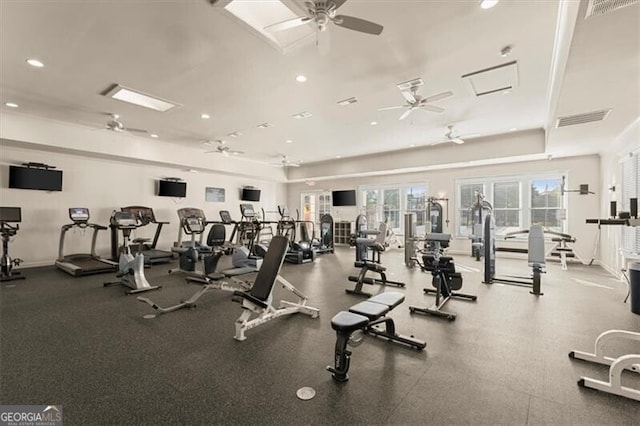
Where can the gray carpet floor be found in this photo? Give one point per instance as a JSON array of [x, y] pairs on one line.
[[69, 341]]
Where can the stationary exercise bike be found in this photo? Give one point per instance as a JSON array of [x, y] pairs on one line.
[[9, 214], [130, 268]]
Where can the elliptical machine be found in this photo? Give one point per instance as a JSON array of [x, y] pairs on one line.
[[130, 268], [13, 215]]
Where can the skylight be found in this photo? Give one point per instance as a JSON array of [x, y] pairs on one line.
[[135, 97], [260, 14]]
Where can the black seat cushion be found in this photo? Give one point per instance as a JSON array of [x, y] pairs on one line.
[[370, 310], [388, 298], [348, 321]]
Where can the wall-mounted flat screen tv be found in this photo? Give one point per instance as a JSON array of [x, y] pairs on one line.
[[33, 178], [171, 188], [250, 194], [343, 198]]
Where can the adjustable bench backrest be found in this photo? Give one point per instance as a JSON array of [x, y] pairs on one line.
[[270, 268]]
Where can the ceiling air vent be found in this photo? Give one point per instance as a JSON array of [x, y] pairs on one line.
[[587, 117], [601, 7]]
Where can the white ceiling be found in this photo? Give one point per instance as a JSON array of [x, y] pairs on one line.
[[205, 59]]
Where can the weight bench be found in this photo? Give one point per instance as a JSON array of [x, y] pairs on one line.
[[366, 316], [259, 299]]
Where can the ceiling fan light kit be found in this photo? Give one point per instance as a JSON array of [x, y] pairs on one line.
[[323, 12]]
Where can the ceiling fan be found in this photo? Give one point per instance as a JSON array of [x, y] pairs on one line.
[[416, 101], [323, 12], [220, 147], [450, 137], [285, 162], [115, 125]]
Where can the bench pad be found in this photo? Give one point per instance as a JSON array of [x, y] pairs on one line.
[[388, 298], [348, 321], [370, 310]]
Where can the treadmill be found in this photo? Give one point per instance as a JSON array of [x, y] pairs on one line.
[[83, 264], [151, 254]]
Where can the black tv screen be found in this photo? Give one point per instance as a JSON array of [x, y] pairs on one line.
[[171, 188], [31, 178], [249, 194], [343, 198]]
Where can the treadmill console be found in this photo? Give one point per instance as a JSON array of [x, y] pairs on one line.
[[247, 211], [122, 220], [193, 225], [10, 214], [145, 214], [225, 217], [79, 214]]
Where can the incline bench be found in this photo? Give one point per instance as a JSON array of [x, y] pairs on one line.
[[366, 316]]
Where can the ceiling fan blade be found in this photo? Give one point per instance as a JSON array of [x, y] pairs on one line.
[[289, 23], [392, 107], [357, 24], [405, 114], [409, 97], [129, 129], [336, 4], [432, 108], [438, 97], [457, 141], [235, 152]]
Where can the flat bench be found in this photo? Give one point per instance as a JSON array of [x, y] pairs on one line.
[[365, 316]]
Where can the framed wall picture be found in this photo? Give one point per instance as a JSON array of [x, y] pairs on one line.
[[214, 195]]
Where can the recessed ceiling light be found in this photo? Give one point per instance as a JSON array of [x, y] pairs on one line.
[[301, 78], [288, 141], [488, 4], [304, 114], [35, 63], [374, 123], [234, 134], [412, 145], [193, 170], [11, 105], [338, 156], [153, 135], [513, 129], [205, 116], [264, 125], [131, 96]]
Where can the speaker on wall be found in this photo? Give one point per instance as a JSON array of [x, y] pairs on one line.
[[613, 212]]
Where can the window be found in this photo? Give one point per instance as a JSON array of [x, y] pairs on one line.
[[467, 195], [506, 206], [391, 208], [390, 203], [546, 204], [416, 199], [517, 202], [314, 205]]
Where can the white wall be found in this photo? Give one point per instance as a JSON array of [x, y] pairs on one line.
[[579, 170], [103, 185], [611, 236]]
